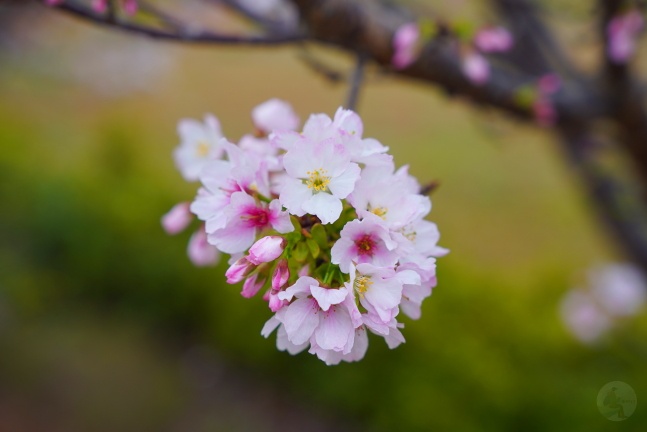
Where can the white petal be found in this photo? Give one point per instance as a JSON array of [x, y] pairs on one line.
[[327, 297], [301, 318], [344, 184], [334, 329], [293, 195], [323, 205]]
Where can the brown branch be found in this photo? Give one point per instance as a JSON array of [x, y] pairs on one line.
[[356, 82], [180, 35], [535, 49], [619, 207]]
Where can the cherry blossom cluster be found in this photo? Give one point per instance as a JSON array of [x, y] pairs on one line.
[[612, 292], [319, 220]]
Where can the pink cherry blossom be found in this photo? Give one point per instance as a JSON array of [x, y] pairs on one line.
[[405, 45], [100, 6], [476, 68], [199, 143], [245, 218], [200, 252], [364, 241], [320, 173], [130, 6], [177, 219], [583, 317], [622, 31], [379, 288], [317, 313], [275, 115], [392, 197], [493, 39], [266, 249], [620, 289], [367, 151]]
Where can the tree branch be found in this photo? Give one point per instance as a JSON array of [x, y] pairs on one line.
[[356, 82], [180, 35]]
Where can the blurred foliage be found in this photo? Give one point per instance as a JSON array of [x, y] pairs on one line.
[[100, 310]]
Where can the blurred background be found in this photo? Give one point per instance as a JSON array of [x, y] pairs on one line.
[[105, 325]]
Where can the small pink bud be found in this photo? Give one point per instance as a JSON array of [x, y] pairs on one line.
[[238, 271], [275, 115], [549, 83], [100, 6], [281, 275], [266, 249], [476, 68], [544, 111], [130, 6], [177, 219], [622, 31], [305, 270], [200, 252], [405, 42], [251, 286], [493, 39], [275, 303], [53, 2]]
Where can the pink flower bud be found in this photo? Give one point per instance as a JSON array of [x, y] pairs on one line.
[[476, 68], [549, 83], [238, 271], [275, 303], [545, 113], [405, 42], [622, 32], [100, 6], [493, 39], [53, 2], [130, 6], [266, 249], [200, 252], [275, 115], [177, 219], [281, 275], [251, 286]]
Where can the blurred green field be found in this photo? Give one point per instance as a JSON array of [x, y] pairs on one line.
[[105, 325]]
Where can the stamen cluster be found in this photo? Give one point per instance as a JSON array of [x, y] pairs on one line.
[[318, 220]]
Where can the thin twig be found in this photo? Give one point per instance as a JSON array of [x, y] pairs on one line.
[[184, 35], [356, 82], [620, 208], [273, 26], [160, 15], [319, 67]]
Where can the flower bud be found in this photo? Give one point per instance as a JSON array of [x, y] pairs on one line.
[[200, 252], [266, 249], [252, 285], [177, 219], [274, 115], [275, 303], [281, 275], [238, 271]]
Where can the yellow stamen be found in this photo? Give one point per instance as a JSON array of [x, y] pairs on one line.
[[379, 211], [362, 283], [318, 180], [203, 149]]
